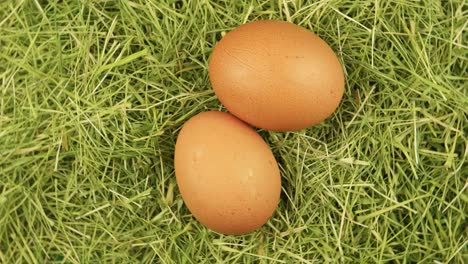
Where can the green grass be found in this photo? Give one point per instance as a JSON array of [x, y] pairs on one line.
[[93, 94]]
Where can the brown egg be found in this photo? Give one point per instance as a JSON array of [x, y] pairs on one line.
[[276, 75], [226, 173]]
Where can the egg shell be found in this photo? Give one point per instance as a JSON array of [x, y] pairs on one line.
[[226, 173], [276, 75]]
